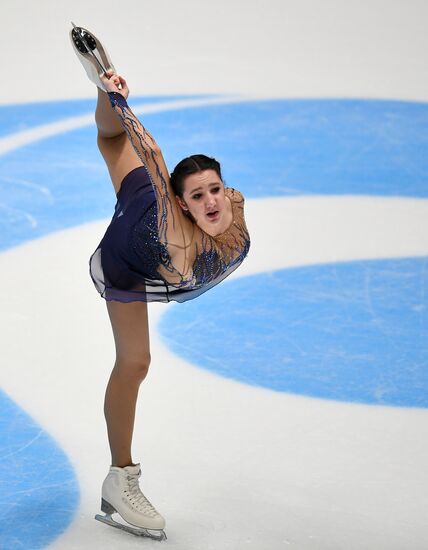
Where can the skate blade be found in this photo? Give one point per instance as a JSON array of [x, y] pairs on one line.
[[137, 531]]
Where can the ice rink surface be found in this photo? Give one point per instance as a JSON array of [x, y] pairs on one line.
[[287, 407]]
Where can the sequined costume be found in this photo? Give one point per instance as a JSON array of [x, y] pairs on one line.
[[152, 251]]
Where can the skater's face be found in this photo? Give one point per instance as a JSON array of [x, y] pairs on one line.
[[205, 200]]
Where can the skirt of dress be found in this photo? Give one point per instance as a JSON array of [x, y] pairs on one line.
[[124, 265]]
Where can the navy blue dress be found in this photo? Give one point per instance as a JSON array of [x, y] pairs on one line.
[[133, 261]]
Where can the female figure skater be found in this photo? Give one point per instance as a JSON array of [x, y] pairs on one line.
[[170, 238]]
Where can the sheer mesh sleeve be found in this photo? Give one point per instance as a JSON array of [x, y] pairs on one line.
[[172, 222], [190, 260]]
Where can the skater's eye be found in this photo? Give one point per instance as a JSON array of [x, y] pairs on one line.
[[197, 196], [216, 189]]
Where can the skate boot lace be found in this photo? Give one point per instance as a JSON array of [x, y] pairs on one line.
[[137, 498]]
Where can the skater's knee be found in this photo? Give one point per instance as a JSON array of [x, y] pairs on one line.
[[135, 368]]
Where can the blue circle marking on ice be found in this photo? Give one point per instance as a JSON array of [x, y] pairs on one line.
[[308, 146], [39, 493], [353, 331]]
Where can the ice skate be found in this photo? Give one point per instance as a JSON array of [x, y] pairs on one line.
[[91, 54], [121, 493]]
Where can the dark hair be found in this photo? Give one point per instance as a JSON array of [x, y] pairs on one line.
[[192, 165]]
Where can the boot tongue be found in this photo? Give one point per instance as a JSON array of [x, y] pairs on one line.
[[133, 470]]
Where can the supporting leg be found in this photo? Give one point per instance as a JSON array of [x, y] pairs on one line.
[[131, 334]]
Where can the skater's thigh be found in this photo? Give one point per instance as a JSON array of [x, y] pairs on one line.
[[120, 157], [130, 326]]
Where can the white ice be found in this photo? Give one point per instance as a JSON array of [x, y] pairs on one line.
[[230, 466]]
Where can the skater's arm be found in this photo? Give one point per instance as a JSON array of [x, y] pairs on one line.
[[144, 143]]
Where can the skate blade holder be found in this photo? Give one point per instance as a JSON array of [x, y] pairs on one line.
[[85, 43], [155, 534]]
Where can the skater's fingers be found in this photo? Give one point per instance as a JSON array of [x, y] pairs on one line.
[[109, 85], [115, 83], [113, 79], [106, 80], [123, 83]]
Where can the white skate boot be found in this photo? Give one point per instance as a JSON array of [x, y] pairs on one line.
[[121, 493], [92, 54]]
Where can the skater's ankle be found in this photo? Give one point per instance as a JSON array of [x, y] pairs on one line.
[[122, 464]]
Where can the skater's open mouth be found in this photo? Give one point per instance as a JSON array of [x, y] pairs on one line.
[[213, 215]]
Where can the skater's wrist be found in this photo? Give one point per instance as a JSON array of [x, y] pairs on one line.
[[116, 98]]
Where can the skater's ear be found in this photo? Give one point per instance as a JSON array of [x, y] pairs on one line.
[[182, 203]]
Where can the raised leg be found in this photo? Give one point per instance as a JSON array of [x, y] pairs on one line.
[[113, 143], [108, 123]]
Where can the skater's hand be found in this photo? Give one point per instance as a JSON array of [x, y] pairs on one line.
[[115, 83]]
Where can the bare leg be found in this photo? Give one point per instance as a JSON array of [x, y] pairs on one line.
[[131, 334], [108, 122], [113, 142]]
